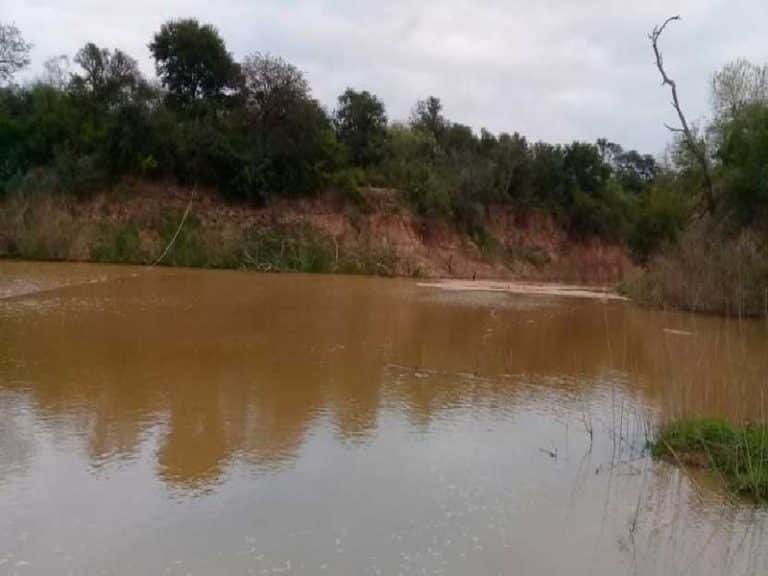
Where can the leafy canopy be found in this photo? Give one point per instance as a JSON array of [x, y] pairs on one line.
[[192, 61], [361, 125]]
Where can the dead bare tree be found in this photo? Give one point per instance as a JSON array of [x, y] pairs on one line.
[[697, 148]]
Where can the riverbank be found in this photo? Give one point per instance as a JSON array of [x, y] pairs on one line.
[[373, 233]]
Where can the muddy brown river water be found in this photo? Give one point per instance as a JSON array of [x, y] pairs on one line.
[[167, 421]]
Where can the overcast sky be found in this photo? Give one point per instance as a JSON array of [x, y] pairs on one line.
[[555, 70]]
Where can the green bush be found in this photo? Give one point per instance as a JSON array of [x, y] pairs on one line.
[[118, 243], [287, 248], [743, 170], [189, 248], [349, 182], [661, 215], [298, 247]]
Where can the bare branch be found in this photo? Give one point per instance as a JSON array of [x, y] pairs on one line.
[[672, 128], [698, 149]]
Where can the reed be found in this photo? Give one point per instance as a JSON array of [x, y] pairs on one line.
[[738, 452]]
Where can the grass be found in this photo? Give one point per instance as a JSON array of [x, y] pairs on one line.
[[119, 243], [737, 452], [36, 227], [190, 249], [44, 228], [298, 247], [287, 248]]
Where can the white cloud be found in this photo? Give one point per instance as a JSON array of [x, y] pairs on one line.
[[550, 69]]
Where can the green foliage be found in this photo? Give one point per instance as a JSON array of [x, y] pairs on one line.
[[117, 243], [109, 78], [738, 84], [32, 123], [660, 217], [36, 226], [78, 175], [738, 453], [298, 247], [298, 155], [368, 261], [253, 131], [427, 116], [349, 181], [192, 61], [361, 125], [719, 261], [189, 249], [743, 171], [411, 166], [287, 248], [611, 215], [272, 90]]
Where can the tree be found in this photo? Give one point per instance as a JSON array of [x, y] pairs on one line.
[[57, 72], [636, 171], [109, 78], [427, 115], [548, 178], [633, 170], [192, 61], [514, 168], [585, 167], [271, 88], [743, 155], [695, 145], [738, 83], [14, 52], [361, 125]]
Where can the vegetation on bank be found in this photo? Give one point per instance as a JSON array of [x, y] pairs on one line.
[[253, 131], [697, 221], [739, 453], [44, 228]]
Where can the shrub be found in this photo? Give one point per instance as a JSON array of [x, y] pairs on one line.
[[298, 247], [738, 453], [287, 248], [661, 215], [118, 243], [189, 248], [709, 270]]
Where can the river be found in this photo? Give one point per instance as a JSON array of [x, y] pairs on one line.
[[170, 421]]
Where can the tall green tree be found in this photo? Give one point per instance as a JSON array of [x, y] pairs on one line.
[[192, 61], [743, 169], [427, 115], [361, 125]]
